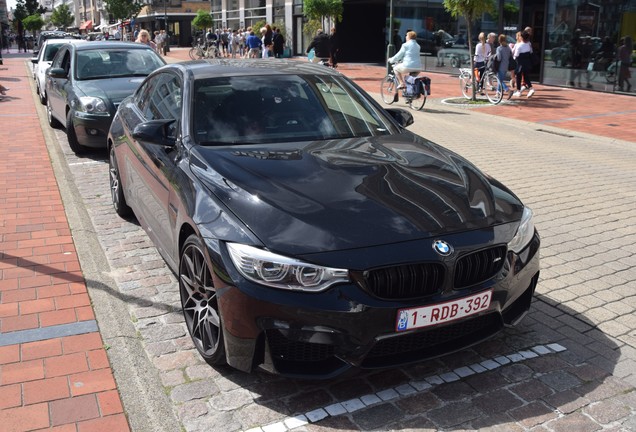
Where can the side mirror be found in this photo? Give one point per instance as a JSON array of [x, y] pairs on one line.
[[56, 72], [402, 116], [34, 60], [154, 132]]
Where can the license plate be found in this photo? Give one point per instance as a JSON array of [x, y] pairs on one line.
[[408, 319]]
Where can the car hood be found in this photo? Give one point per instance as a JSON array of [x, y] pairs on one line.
[[113, 89], [342, 194]]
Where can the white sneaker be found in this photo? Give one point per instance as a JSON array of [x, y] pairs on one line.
[[523, 88], [531, 92], [517, 94]]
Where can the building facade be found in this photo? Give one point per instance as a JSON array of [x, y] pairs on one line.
[[575, 42]]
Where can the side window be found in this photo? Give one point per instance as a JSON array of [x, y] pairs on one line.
[[143, 94], [57, 61], [164, 101], [66, 61]]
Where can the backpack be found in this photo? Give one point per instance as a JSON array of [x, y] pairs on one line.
[[493, 64]]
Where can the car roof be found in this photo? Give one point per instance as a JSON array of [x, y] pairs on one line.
[[227, 67], [62, 41], [95, 45]]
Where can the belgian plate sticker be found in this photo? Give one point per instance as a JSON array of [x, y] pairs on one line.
[[408, 319]]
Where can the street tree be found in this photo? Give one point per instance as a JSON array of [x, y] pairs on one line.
[[62, 16], [124, 9], [317, 11], [33, 23], [470, 10], [203, 20]]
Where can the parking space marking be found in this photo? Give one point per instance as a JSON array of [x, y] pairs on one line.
[[405, 390]]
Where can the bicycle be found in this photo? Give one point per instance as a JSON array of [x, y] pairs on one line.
[[488, 85], [603, 67], [200, 50], [389, 91]]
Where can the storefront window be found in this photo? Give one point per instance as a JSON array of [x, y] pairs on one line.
[[583, 42], [279, 11]]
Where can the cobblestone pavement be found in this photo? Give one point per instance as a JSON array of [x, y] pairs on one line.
[[570, 365]]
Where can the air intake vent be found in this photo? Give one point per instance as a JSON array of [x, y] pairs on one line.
[[405, 282], [479, 266]]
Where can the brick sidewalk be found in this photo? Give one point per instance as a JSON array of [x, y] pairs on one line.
[[54, 371]]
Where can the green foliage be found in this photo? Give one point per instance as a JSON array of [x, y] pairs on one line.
[[510, 12], [62, 16], [311, 27], [203, 20], [123, 9], [257, 26], [33, 23], [321, 9], [33, 7]]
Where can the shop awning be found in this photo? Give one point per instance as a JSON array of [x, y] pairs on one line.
[[87, 25]]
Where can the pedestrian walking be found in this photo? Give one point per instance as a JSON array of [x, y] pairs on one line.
[[254, 44], [503, 55], [279, 43], [144, 38], [482, 52], [523, 56], [334, 47], [625, 59]]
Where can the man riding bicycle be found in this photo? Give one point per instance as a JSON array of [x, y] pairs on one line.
[[409, 58]]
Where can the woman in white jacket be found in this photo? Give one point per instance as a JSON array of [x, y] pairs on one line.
[[409, 58]]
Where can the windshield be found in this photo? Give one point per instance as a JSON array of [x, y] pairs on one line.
[[96, 64], [248, 110]]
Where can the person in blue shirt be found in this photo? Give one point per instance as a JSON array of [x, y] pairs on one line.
[[409, 58], [254, 44]]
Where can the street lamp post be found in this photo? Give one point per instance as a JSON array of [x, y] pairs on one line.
[[390, 48], [165, 15]]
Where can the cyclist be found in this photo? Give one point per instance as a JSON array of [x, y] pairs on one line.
[[409, 58]]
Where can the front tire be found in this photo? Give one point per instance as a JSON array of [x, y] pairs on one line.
[[41, 94], [388, 90], [200, 303], [193, 53], [72, 137], [116, 190], [53, 122]]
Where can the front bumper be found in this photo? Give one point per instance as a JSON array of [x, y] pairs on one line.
[[321, 335], [92, 130]]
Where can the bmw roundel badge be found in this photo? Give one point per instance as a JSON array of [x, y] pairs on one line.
[[442, 248]]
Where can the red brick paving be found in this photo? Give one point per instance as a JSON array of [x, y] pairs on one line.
[[62, 384], [66, 384]]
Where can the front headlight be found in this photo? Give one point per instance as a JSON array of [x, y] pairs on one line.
[[524, 234], [91, 105], [266, 268]]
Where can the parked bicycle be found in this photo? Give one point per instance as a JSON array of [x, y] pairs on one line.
[[414, 94], [602, 66], [487, 84], [202, 50]]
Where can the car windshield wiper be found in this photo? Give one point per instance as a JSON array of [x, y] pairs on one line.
[[94, 77]]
